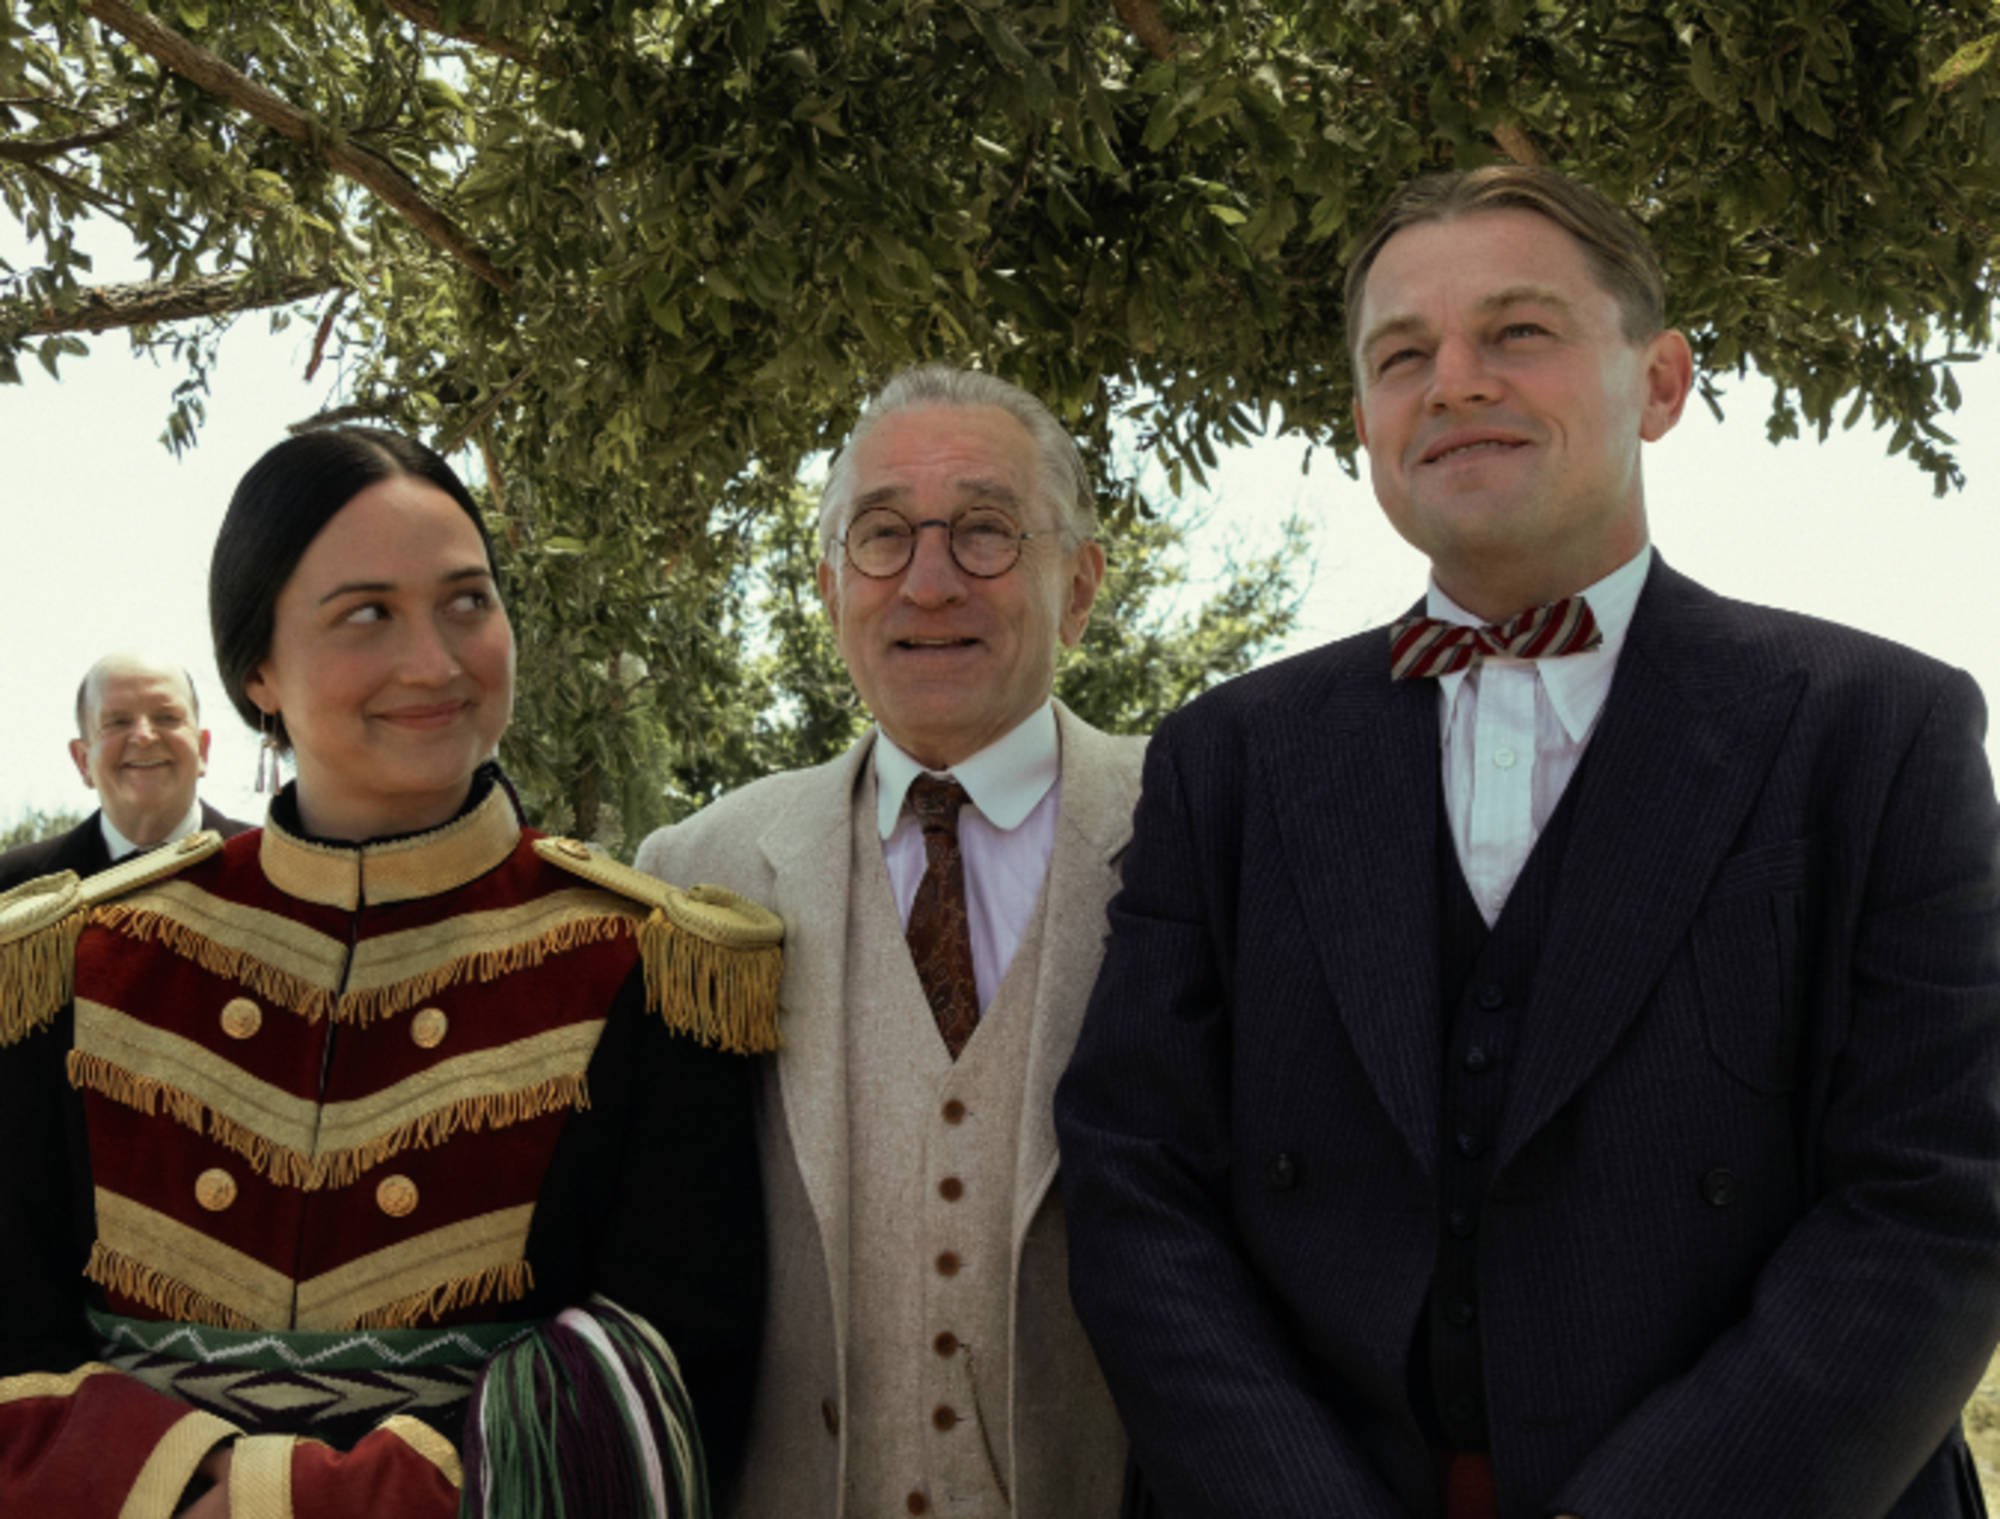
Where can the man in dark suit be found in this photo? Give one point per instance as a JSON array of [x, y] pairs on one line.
[[142, 749], [1558, 1074]]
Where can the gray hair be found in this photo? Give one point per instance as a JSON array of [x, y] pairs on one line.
[[1060, 473], [136, 659]]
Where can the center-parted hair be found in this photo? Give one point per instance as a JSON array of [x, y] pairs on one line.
[[1612, 242], [1060, 473], [279, 507]]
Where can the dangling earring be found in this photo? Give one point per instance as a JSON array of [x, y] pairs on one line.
[[268, 778]]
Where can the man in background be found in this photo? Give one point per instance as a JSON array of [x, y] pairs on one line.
[[141, 747], [943, 887]]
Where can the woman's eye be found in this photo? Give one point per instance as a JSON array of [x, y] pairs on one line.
[[367, 611], [470, 601]]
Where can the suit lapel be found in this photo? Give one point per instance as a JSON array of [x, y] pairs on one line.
[[808, 847], [1353, 771], [1100, 786], [1680, 753]]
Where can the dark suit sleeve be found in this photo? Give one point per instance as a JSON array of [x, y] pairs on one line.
[[1872, 1321], [1221, 1406]]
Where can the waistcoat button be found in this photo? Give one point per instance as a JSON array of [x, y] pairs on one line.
[[241, 1017], [1281, 1175], [215, 1190], [1471, 1146], [946, 1344], [917, 1503], [1492, 995], [1477, 1060], [947, 1263], [943, 1417], [954, 1112], [1721, 1187], [951, 1189]]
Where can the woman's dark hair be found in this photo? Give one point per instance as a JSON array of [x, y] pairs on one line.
[[279, 507]]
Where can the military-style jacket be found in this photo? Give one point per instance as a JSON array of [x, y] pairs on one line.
[[295, 1134]]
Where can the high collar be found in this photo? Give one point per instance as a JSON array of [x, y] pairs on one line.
[[404, 869], [1005, 780], [1578, 683], [118, 846]]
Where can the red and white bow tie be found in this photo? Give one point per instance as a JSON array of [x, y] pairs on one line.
[[1426, 646]]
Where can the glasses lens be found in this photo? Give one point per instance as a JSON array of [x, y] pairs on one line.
[[985, 543], [878, 542]]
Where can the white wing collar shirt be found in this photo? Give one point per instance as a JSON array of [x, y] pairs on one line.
[[1006, 836], [119, 846], [1513, 733]]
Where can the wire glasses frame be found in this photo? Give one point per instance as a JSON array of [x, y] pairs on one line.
[[985, 544]]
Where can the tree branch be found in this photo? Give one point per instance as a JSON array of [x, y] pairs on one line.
[[1142, 17], [430, 20], [37, 152], [1517, 145], [360, 411], [387, 181], [478, 420], [107, 306]]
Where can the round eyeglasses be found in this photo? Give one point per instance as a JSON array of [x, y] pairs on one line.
[[984, 543]]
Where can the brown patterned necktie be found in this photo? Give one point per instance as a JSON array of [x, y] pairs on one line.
[[1420, 647], [940, 933]]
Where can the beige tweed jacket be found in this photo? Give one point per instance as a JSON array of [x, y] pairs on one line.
[[784, 841]]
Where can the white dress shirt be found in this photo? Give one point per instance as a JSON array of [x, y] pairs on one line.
[[1006, 836], [120, 846], [1514, 731]]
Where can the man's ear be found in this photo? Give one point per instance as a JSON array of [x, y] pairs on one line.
[[829, 593], [1669, 378], [1086, 575], [201, 752], [80, 752], [1360, 422]]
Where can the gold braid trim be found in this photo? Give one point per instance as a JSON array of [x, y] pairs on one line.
[[720, 994], [37, 976], [336, 1168], [496, 1284], [313, 1003], [364, 1007], [273, 985], [117, 1272]]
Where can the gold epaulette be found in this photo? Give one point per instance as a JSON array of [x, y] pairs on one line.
[[712, 957], [41, 920]]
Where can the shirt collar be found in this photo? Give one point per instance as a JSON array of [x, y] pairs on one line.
[[1578, 683], [118, 846], [1006, 780]]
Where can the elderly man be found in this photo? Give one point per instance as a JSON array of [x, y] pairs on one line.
[[1547, 1058], [943, 888], [141, 747]]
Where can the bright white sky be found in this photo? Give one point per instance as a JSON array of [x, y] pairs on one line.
[[107, 536]]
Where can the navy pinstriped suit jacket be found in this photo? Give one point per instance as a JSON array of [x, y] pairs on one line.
[[1774, 950]]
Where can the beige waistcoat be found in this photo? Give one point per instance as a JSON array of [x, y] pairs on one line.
[[933, 1142]]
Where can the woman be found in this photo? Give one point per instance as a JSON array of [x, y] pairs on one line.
[[334, 1115]]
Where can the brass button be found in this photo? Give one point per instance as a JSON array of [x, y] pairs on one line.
[[241, 1017], [428, 1028], [954, 1111], [397, 1196], [215, 1190], [830, 1415], [943, 1417], [951, 1189], [573, 849], [948, 1263], [917, 1503]]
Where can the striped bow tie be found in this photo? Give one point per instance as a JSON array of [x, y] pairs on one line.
[[1425, 646]]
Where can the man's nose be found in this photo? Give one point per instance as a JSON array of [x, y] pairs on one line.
[[933, 576], [1460, 374]]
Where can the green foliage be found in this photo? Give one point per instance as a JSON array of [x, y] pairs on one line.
[[33, 825], [721, 224]]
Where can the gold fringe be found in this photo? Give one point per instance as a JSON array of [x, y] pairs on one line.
[[496, 1284], [273, 985], [116, 1272], [364, 1007], [337, 1168], [38, 977], [359, 1007], [720, 996]]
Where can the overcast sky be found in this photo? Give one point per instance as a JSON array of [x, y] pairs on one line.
[[108, 536]]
